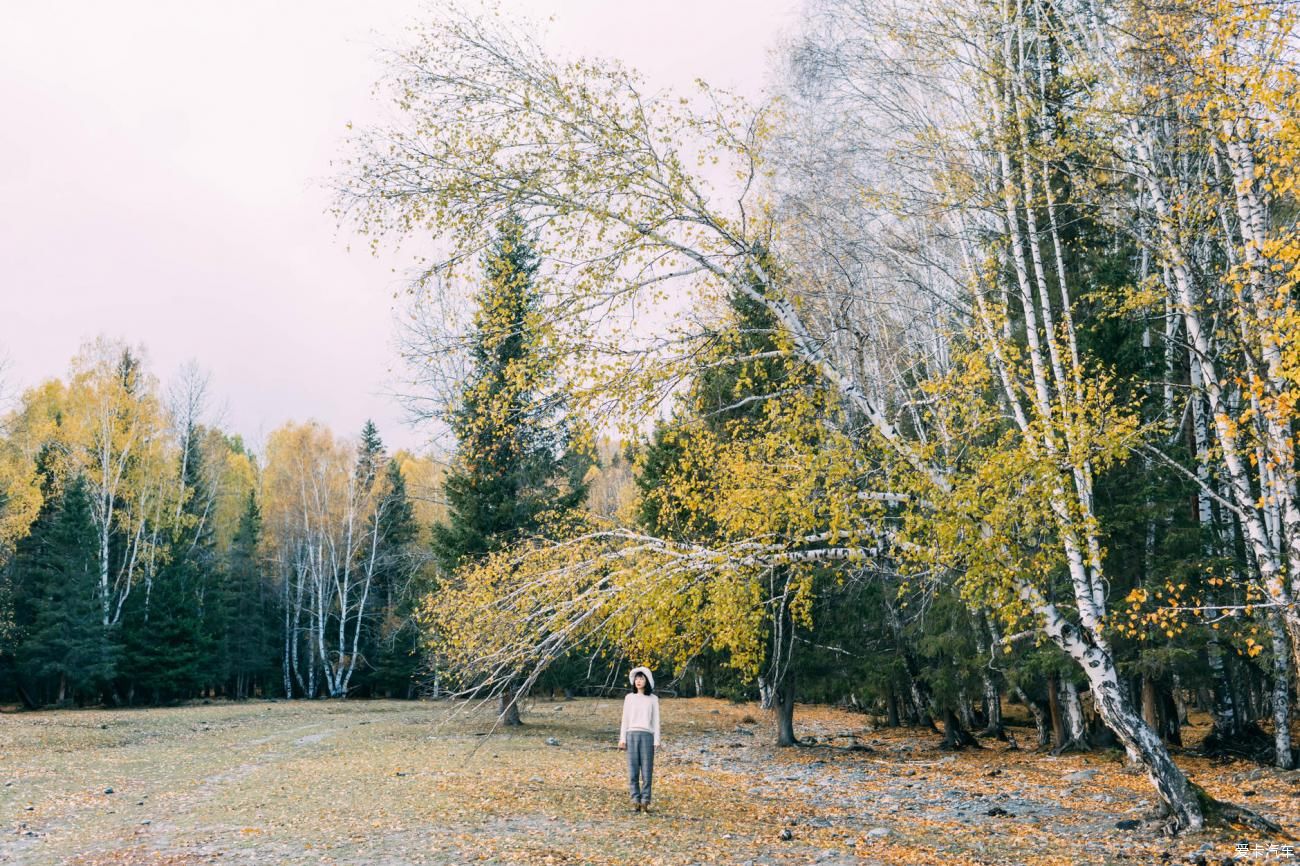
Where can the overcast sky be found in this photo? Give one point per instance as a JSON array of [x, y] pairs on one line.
[[161, 181]]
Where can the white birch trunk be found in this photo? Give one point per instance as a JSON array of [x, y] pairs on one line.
[[1280, 697], [1256, 532], [1073, 707], [1116, 709]]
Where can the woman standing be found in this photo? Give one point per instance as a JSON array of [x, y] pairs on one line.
[[639, 735]]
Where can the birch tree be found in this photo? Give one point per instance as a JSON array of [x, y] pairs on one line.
[[20, 495], [115, 437], [324, 518], [1210, 134]]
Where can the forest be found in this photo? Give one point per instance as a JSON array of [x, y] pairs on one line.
[[152, 557], [960, 375]]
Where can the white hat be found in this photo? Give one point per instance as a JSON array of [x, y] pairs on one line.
[[649, 677]]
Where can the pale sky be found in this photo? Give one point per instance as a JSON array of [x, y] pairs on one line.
[[162, 169]]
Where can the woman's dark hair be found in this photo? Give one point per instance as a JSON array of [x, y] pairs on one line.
[[649, 687]]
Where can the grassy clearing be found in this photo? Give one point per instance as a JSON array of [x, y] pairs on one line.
[[404, 783]]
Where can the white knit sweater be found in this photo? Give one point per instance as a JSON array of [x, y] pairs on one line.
[[640, 713]]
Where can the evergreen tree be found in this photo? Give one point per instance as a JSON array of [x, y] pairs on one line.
[[393, 640], [370, 453], [65, 646], [251, 617], [512, 459], [727, 402], [165, 652], [171, 630], [513, 463], [23, 586]]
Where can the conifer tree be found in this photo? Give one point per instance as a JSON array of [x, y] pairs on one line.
[[251, 621], [513, 462], [728, 401], [65, 647], [370, 453], [170, 632], [394, 637]]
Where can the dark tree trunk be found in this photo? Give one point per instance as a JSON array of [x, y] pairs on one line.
[[919, 693], [891, 705], [1239, 678], [1054, 707], [26, 696], [1160, 711], [1180, 701], [508, 707], [1101, 736], [954, 735], [916, 686], [1173, 723], [1150, 711], [783, 705]]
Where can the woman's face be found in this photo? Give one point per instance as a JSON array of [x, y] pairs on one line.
[[638, 682]]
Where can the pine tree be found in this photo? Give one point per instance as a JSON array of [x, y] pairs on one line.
[[725, 399], [394, 639], [24, 586], [370, 453], [65, 646], [727, 402], [171, 631], [251, 621], [513, 463]]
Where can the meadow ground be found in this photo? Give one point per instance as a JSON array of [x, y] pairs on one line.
[[391, 783]]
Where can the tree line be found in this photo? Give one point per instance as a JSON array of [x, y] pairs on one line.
[[148, 556]]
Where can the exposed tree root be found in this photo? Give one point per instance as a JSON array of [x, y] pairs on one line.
[[994, 732], [1230, 815], [1226, 816], [1072, 747]]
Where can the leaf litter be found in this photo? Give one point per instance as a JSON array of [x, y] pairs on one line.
[[394, 783]]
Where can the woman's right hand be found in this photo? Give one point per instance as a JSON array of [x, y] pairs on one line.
[[622, 746]]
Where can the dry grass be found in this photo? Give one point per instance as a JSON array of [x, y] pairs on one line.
[[405, 783]]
